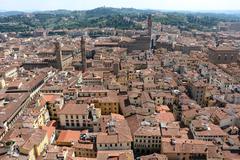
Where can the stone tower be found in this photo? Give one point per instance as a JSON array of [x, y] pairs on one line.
[[150, 25], [116, 67], [84, 63], [59, 59]]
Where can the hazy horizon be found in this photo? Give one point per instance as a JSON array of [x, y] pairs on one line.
[[169, 5]]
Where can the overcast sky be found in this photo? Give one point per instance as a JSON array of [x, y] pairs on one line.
[[193, 5]]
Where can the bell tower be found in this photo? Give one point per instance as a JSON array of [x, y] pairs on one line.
[[83, 52], [58, 53], [150, 25]]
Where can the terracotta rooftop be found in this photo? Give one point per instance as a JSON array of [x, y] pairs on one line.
[[178, 145], [74, 109], [115, 155], [154, 156], [50, 131], [68, 136], [208, 129], [121, 131], [148, 131], [165, 117]]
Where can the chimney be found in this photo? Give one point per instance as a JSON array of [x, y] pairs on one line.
[[84, 63]]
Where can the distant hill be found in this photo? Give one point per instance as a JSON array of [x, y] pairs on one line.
[[119, 18], [104, 11], [101, 11], [11, 13], [58, 12]]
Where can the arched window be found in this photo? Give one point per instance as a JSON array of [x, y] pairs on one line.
[[225, 57]]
